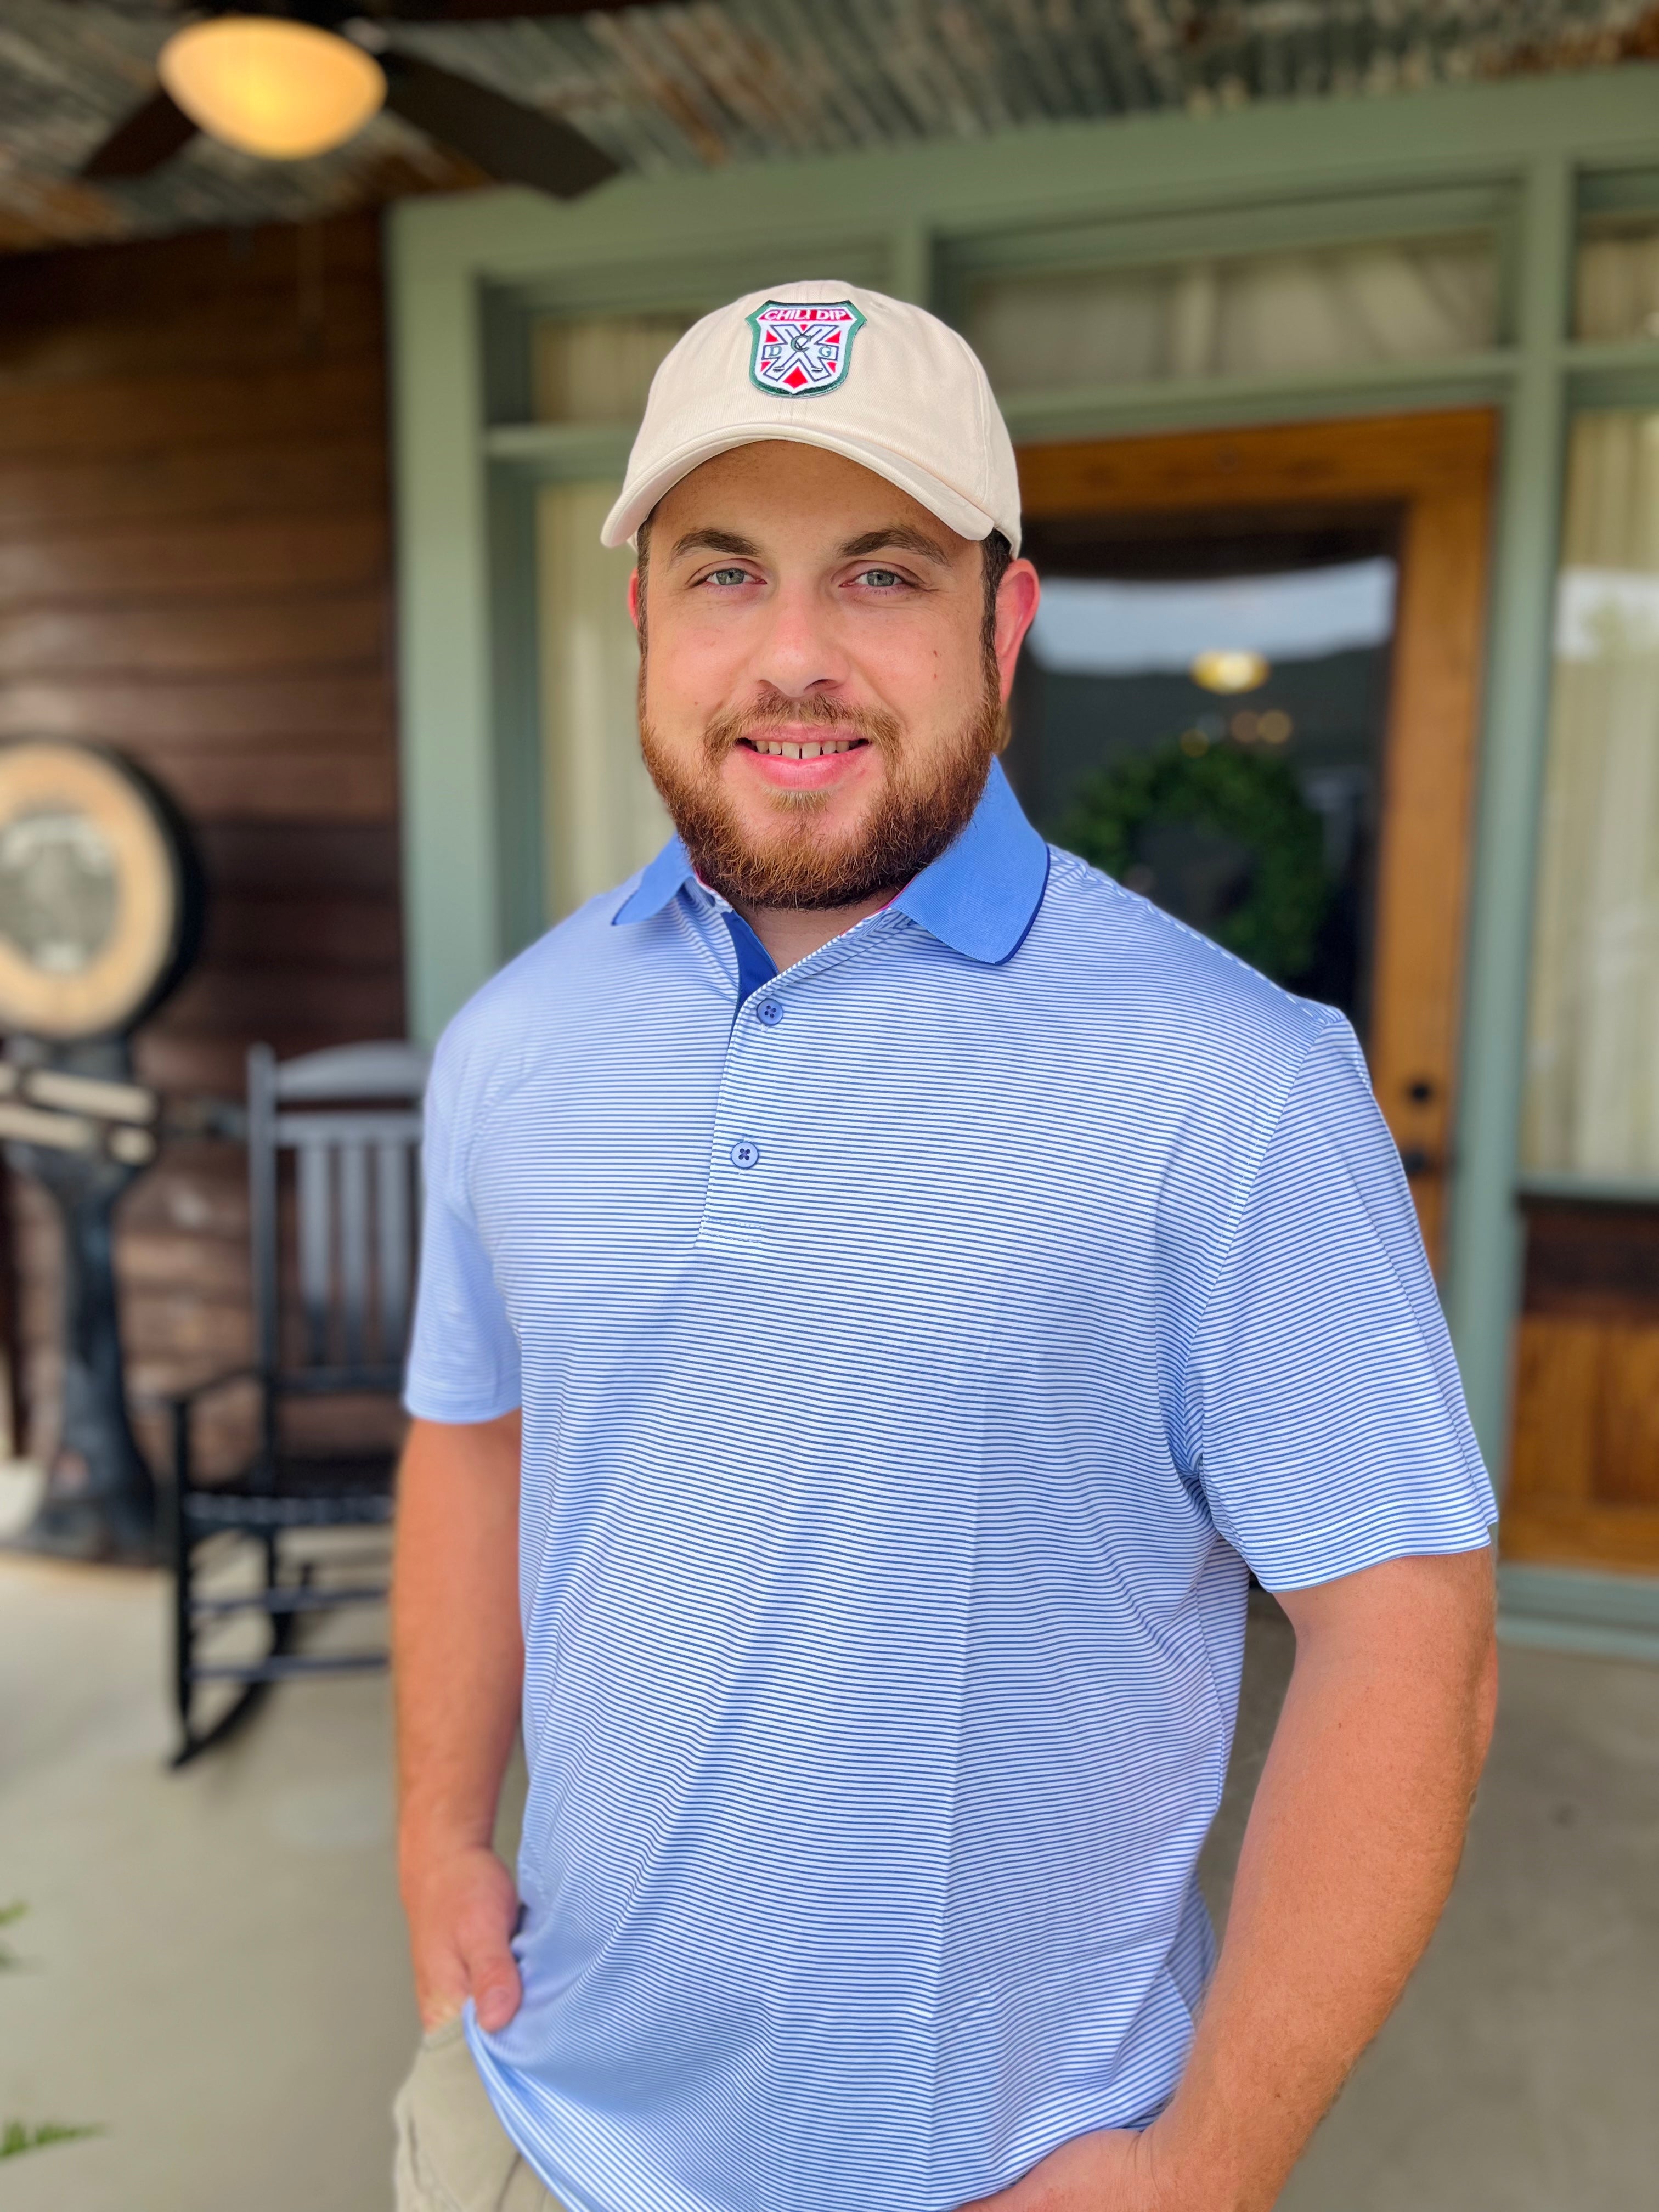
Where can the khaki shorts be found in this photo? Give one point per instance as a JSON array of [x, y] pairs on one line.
[[453, 2154]]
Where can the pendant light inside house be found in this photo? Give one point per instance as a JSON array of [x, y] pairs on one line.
[[1231, 668], [274, 88]]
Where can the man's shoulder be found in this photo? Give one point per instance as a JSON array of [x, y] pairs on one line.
[[541, 989], [1189, 1060], [1191, 1001]]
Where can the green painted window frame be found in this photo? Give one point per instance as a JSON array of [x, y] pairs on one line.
[[466, 273]]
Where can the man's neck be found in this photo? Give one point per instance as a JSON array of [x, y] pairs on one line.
[[792, 933]]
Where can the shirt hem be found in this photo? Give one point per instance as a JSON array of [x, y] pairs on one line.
[[1442, 1544], [425, 1406]]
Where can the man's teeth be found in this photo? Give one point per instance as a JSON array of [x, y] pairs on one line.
[[777, 746]]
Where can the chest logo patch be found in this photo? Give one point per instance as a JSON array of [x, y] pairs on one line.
[[802, 347]]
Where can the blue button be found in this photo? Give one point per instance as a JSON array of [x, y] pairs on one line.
[[768, 1011], [745, 1153]]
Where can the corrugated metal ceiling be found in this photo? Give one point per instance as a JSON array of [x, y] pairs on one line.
[[715, 80]]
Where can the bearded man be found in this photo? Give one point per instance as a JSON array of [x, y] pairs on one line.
[[885, 1287]]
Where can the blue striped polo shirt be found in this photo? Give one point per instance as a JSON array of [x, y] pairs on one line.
[[916, 1348]]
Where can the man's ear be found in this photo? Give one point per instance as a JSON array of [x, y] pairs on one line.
[[1016, 605], [636, 600]]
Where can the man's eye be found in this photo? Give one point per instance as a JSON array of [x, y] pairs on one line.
[[726, 577], [884, 580]]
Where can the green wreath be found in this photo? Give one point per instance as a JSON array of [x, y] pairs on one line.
[[1248, 797]]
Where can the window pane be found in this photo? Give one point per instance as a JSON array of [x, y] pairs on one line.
[[1268, 315], [1616, 295], [604, 818], [1201, 714], [1592, 1096], [599, 369]]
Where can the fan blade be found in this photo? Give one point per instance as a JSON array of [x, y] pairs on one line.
[[499, 11], [516, 144], [152, 134]]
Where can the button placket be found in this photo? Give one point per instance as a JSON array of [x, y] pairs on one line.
[[741, 1142], [749, 1075], [743, 1157]]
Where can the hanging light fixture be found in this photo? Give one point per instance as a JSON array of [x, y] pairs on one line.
[[1231, 668], [269, 86]]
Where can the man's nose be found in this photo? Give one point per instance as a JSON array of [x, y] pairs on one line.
[[797, 653]]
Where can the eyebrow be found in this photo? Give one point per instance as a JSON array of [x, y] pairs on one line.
[[715, 541], [902, 537]]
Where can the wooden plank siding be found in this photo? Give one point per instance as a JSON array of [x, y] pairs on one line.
[[195, 567]]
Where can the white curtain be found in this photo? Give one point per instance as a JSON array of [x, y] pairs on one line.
[[1261, 315], [1592, 1093], [598, 368], [602, 818], [1616, 294]]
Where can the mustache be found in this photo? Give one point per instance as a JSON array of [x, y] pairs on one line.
[[874, 724]]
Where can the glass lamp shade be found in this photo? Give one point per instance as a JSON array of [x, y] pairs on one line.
[[1231, 669], [281, 89]]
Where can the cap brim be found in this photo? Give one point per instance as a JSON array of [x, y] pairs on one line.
[[953, 509]]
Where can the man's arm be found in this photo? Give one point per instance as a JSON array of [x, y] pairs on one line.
[[1351, 1845], [458, 1660]]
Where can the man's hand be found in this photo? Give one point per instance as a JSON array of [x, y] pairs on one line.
[[1111, 2172], [462, 1913]]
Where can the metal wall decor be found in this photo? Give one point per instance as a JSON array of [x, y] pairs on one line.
[[100, 917], [93, 884]]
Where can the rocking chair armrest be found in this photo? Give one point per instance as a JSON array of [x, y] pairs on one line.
[[183, 1400], [179, 1405]]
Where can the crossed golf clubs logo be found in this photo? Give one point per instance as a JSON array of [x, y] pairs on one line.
[[802, 349]]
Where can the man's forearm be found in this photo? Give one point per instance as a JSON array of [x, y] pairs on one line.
[[1352, 1846], [458, 1656]]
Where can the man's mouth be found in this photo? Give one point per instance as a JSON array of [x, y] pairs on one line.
[[810, 749]]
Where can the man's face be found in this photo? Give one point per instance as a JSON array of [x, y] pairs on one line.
[[818, 700]]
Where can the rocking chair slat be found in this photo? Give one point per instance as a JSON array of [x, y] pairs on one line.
[[393, 1191], [316, 1177], [354, 1249]]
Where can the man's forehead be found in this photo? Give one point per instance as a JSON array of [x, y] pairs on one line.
[[779, 496]]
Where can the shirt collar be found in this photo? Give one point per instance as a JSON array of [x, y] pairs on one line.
[[980, 897], [667, 874]]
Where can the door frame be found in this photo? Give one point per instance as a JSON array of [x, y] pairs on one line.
[[1436, 472]]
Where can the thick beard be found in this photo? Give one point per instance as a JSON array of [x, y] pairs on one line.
[[797, 868]]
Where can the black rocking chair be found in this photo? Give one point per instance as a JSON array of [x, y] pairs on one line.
[[351, 1119]]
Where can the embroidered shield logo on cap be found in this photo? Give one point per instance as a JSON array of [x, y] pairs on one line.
[[802, 347]]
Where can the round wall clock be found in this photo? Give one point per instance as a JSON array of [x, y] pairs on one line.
[[98, 899]]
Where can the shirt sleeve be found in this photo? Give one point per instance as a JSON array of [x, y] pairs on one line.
[[463, 1352], [1330, 1419]]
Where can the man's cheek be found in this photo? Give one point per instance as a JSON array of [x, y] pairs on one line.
[[679, 712]]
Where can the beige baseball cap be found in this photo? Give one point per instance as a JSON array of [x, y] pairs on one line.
[[839, 365]]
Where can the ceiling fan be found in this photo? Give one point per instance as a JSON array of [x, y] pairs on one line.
[[269, 76]]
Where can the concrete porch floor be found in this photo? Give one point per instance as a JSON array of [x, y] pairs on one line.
[[215, 1969]]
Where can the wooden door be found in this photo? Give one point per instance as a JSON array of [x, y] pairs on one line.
[[1432, 475]]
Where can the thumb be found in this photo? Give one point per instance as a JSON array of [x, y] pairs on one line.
[[492, 1975]]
